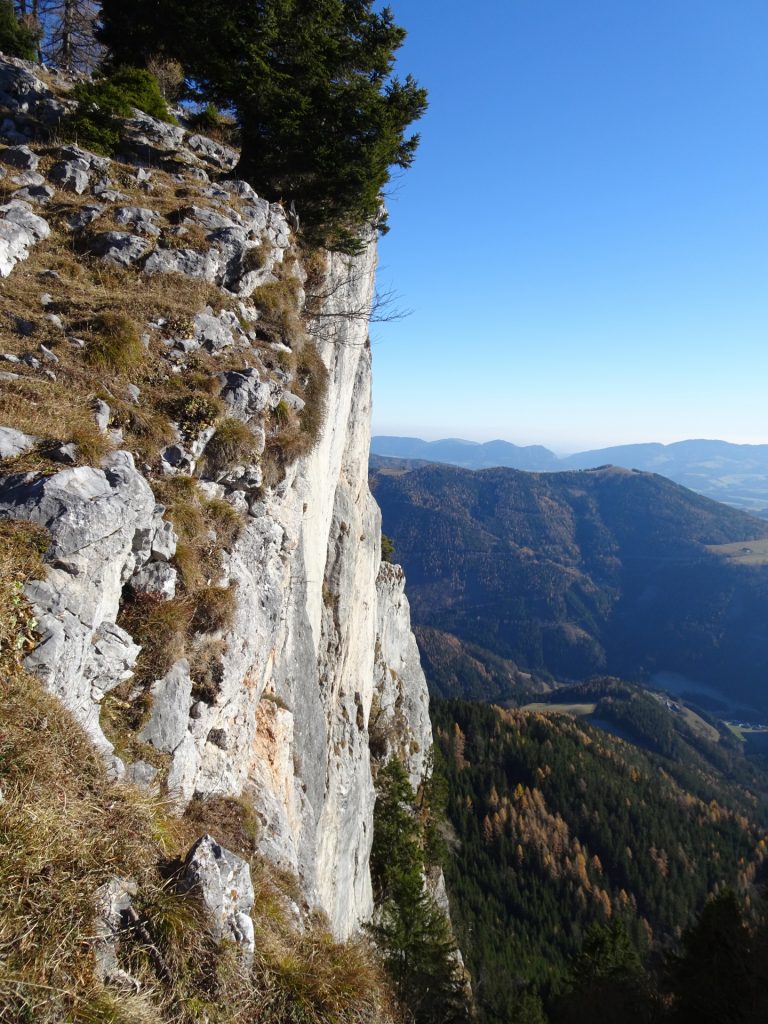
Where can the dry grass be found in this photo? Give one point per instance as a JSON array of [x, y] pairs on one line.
[[65, 829], [233, 444], [161, 627], [277, 302], [22, 546], [114, 344], [214, 609], [205, 526], [231, 819], [103, 306], [294, 435]]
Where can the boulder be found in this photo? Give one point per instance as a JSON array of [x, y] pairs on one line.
[[93, 516], [223, 882], [244, 393], [215, 333], [21, 157], [140, 219], [205, 217], [111, 659], [14, 442], [188, 262], [119, 247], [20, 229], [91, 161], [102, 414], [36, 193], [28, 178], [114, 903], [83, 217], [71, 175], [157, 579], [145, 139], [222, 157]]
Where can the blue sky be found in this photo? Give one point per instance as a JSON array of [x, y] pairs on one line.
[[583, 238]]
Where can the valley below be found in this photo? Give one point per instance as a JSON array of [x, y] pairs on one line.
[[521, 581]]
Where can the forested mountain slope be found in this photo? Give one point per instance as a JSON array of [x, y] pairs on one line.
[[571, 574], [558, 825]]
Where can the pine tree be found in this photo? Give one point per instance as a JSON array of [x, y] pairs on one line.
[[18, 37], [322, 118], [411, 930], [69, 32]]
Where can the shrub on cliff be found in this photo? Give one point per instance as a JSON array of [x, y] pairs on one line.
[[322, 118], [103, 100]]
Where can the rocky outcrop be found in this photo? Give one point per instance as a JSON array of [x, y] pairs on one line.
[[103, 524], [318, 661], [223, 882]]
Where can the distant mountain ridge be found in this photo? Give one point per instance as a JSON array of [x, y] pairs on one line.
[[565, 575], [736, 474]]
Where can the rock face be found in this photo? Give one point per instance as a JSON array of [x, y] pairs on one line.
[[319, 662], [103, 525], [289, 727]]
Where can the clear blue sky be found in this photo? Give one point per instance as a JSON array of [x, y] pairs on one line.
[[583, 238]]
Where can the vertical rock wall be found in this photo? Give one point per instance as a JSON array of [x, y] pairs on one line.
[[321, 636], [303, 661]]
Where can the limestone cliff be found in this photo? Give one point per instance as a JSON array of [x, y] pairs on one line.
[[316, 657]]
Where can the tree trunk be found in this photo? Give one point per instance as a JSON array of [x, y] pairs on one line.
[[67, 32]]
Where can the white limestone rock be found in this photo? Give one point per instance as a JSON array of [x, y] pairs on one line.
[[223, 882], [21, 157], [119, 247], [171, 701], [402, 726], [142, 220], [20, 229], [71, 175], [93, 517], [15, 442], [158, 579], [246, 395], [223, 157], [188, 262], [110, 660]]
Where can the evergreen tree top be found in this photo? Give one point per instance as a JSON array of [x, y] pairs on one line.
[[322, 117]]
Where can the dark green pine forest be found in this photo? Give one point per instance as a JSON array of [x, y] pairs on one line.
[[561, 836]]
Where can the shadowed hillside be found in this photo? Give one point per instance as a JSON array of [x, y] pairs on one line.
[[570, 574]]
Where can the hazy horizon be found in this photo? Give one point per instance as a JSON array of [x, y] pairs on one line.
[[559, 448]]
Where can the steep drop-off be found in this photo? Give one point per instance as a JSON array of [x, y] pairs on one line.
[[185, 413]]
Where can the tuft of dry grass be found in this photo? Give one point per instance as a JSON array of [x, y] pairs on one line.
[[231, 819], [23, 546], [233, 444], [214, 609], [114, 344], [294, 435], [161, 627], [277, 301], [204, 526]]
